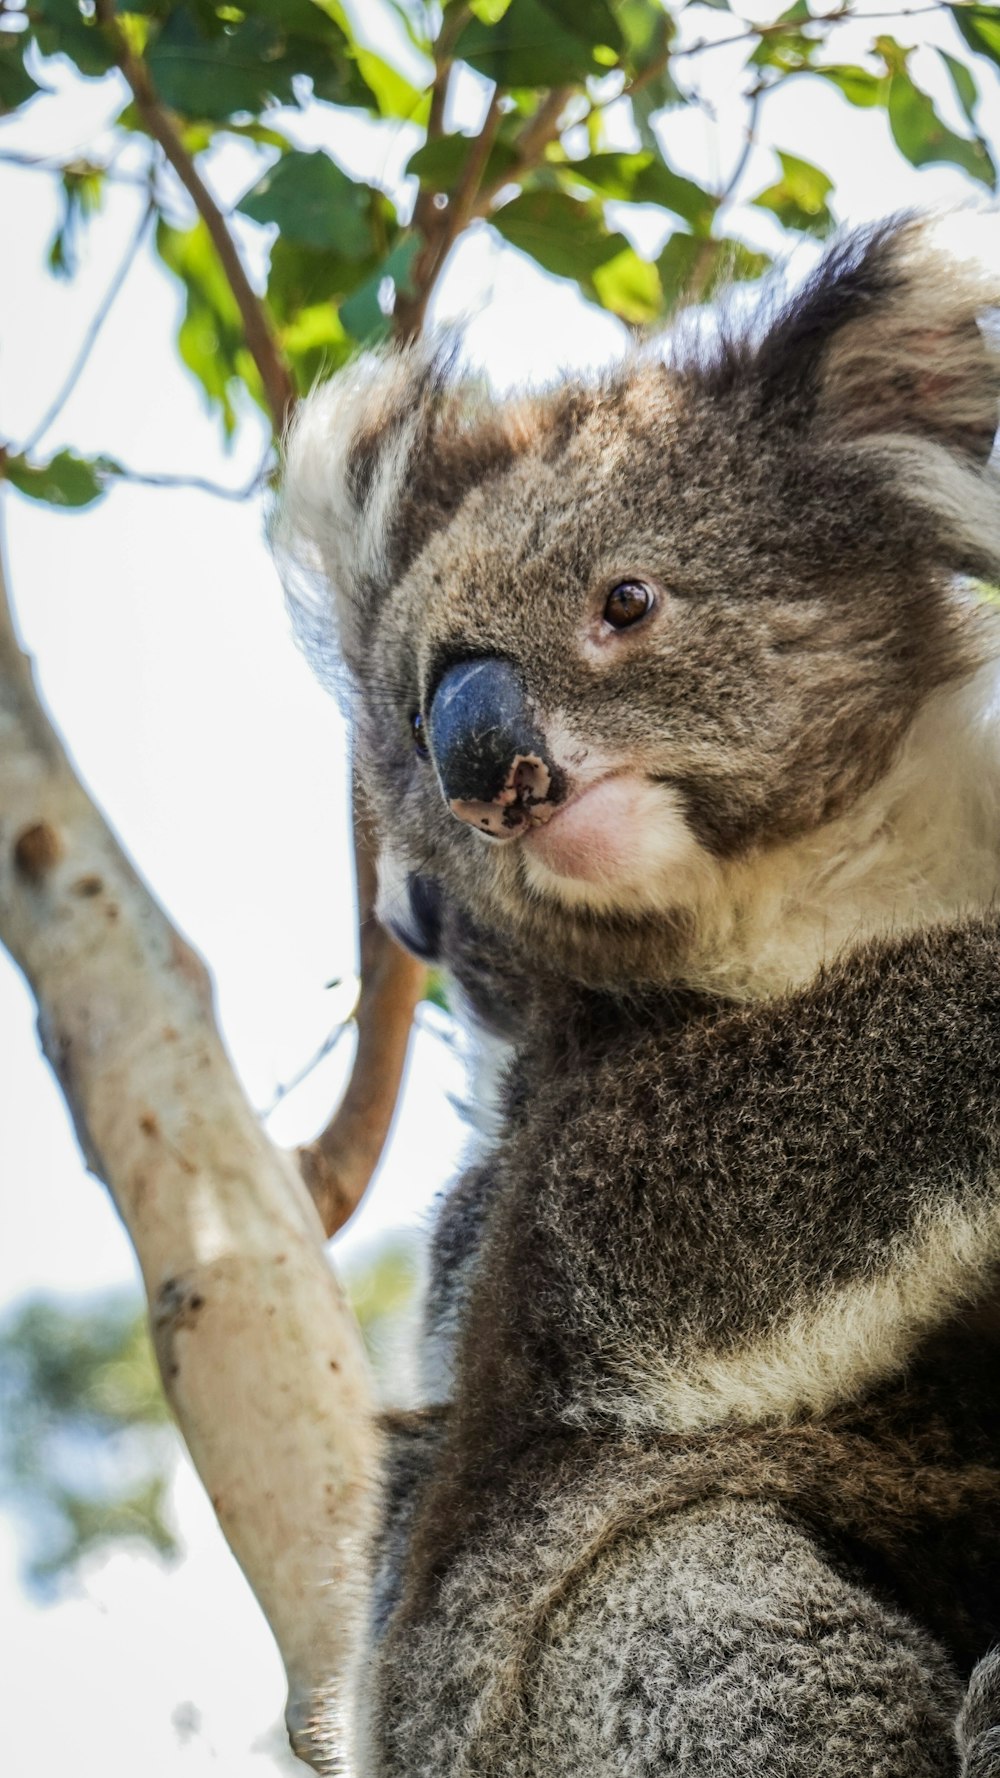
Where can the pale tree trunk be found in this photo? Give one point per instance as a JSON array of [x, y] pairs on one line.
[[260, 1356]]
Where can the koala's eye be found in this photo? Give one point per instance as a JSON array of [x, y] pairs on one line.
[[418, 729], [627, 603]]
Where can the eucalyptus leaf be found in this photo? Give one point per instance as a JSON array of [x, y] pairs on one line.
[[367, 314], [528, 47], [799, 199], [313, 202], [645, 178], [922, 136], [629, 287], [211, 339], [66, 480], [963, 81], [857, 84], [440, 164], [591, 19], [16, 84], [60, 27], [563, 234], [980, 26], [213, 77]]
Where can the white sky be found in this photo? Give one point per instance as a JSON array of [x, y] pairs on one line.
[[163, 650]]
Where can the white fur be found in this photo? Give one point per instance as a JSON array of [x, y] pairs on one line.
[[921, 848], [965, 498], [323, 540], [823, 1355]]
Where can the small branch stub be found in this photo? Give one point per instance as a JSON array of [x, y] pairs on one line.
[[37, 850]]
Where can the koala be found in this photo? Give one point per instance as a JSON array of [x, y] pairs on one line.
[[675, 698]]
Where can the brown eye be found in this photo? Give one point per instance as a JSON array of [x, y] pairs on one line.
[[626, 603], [418, 729]]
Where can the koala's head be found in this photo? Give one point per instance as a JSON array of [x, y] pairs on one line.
[[603, 640]]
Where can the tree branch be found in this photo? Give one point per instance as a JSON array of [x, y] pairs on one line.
[[529, 146], [341, 1161], [260, 1357], [443, 231], [279, 389]]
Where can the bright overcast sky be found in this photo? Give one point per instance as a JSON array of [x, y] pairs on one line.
[[164, 652]]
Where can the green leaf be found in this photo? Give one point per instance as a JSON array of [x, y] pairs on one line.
[[691, 270], [963, 81], [799, 198], [62, 28], [562, 234], [436, 989], [366, 314], [394, 95], [856, 84], [314, 203], [528, 47], [629, 287], [304, 277], [440, 164], [790, 50], [66, 480], [211, 339], [924, 139], [980, 26], [488, 12], [591, 19], [315, 344], [645, 178], [82, 191], [648, 31], [16, 84], [235, 70]]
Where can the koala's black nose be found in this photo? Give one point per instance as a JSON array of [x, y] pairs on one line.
[[489, 754]]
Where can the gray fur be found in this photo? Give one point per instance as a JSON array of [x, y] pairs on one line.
[[716, 1488]]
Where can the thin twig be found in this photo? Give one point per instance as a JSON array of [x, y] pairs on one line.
[[309, 1067], [90, 337], [841, 16], [755, 97], [198, 483], [529, 146], [263, 346]]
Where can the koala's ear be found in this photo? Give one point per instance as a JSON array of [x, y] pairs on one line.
[[891, 346], [376, 460]]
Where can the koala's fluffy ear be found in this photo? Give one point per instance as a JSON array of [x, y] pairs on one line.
[[891, 346], [376, 460]]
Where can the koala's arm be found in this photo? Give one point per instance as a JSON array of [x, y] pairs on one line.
[[761, 1214]]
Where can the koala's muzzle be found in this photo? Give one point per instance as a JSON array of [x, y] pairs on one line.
[[488, 752]]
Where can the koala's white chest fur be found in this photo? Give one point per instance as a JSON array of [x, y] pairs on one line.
[[920, 849]]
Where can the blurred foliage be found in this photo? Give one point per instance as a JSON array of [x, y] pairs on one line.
[[84, 1444], [348, 261], [86, 1441]]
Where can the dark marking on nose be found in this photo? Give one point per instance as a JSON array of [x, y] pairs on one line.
[[489, 753]]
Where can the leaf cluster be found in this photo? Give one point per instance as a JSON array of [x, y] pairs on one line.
[[349, 260]]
